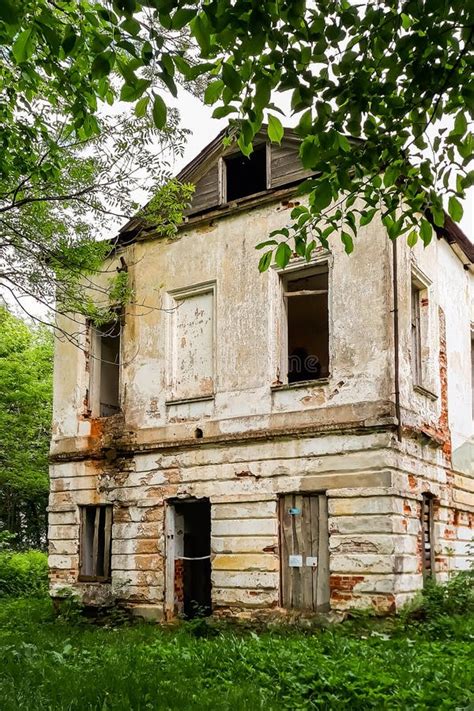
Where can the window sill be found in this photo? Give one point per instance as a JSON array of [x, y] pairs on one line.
[[186, 400], [423, 391], [93, 579], [301, 384]]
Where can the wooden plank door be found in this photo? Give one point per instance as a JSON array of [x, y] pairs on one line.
[[304, 551]]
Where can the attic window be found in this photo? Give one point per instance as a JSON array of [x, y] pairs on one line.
[[245, 176]]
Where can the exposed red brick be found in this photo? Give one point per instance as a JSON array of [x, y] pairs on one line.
[[344, 582]]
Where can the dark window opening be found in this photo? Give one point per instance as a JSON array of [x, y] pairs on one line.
[[193, 567], [198, 433], [95, 543], [472, 373], [427, 535], [109, 338], [308, 326], [246, 176], [415, 333]]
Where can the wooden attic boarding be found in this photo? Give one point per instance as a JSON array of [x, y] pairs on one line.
[[224, 176]]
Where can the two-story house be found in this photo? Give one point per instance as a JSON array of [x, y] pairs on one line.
[[298, 439]]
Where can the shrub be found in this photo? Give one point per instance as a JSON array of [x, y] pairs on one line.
[[23, 574]]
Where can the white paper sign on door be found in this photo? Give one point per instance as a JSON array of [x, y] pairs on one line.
[[295, 561]]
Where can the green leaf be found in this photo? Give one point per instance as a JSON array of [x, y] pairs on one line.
[[455, 208], [23, 46], [159, 112], [426, 231], [245, 146], [460, 125], [282, 255], [100, 66], [141, 106], [201, 33], [69, 41], [368, 217], [310, 152], [348, 242], [412, 238], [263, 90], [213, 91], [322, 196], [267, 243], [343, 143], [265, 261], [181, 18], [406, 21], [438, 215], [223, 111], [231, 78], [132, 92], [275, 129]]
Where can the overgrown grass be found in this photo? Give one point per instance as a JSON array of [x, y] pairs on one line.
[[23, 574], [55, 665]]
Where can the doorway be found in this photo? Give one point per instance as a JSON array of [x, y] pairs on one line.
[[304, 550], [188, 558]]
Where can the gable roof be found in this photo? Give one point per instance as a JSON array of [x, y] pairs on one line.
[[199, 165]]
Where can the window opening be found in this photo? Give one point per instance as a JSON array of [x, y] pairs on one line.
[[95, 543], [246, 176], [307, 325]]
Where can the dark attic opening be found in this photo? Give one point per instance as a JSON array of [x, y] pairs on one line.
[[246, 176]]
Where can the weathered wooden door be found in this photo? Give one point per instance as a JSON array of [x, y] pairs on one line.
[[304, 550]]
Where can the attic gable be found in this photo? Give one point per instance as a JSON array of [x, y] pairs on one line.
[[222, 175]]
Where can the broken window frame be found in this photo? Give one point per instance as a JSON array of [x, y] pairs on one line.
[[222, 175], [106, 548], [427, 536], [420, 332], [95, 370], [300, 270]]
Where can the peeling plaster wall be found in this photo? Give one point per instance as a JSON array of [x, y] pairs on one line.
[[262, 438]]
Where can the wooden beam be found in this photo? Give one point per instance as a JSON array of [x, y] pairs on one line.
[[306, 292]]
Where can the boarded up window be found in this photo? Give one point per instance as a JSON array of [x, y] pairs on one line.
[[427, 535], [304, 549], [306, 297], [193, 344], [95, 543]]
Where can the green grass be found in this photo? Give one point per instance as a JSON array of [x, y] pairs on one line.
[[49, 664]]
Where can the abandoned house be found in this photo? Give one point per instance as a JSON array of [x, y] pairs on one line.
[[242, 442]]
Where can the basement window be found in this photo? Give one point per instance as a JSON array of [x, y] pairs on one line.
[[108, 365], [307, 324], [95, 543], [245, 176], [427, 535]]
